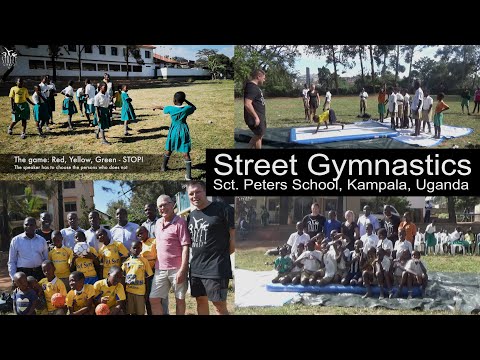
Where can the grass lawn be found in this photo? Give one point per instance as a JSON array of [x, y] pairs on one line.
[[211, 126], [254, 259], [288, 112]]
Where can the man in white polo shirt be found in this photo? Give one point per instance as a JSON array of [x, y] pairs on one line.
[[125, 231], [417, 104]]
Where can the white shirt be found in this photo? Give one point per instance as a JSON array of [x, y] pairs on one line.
[[392, 103], [150, 226], [414, 266], [363, 221], [386, 244], [37, 98], [101, 100], [305, 93], [386, 263], [69, 236], [419, 238], [125, 234], [45, 89], [430, 229], [401, 246], [328, 96], [406, 100], [68, 91], [363, 95], [417, 98], [80, 92], [90, 91], [311, 260], [26, 252], [427, 102], [399, 99], [369, 241], [92, 240], [294, 240], [330, 261]]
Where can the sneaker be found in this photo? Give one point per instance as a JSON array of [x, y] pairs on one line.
[[186, 178], [23, 136], [9, 131]]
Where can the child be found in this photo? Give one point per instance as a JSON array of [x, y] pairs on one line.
[[384, 243], [327, 115], [90, 98], [137, 273], [415, 274], [118, 98], [296, 273], [283, 264], [128, 114], [80, 93], [40, 109], [149, 248], [426, 111], [438, 117], [24, 298], [178, 138], [392, 107], [354, 275], [341, 257], [41, 305], [369, 240], [401, 245], [110, 291], [311, 260], [68, 107], [110, 253], [319, 240], [399, 268], [102, 102], [329, 262], [368, 270], [87, 264], [382, 267], [382, 100], [61, 256], [52, 92], [19, 99], [51, 284], [80, 298]]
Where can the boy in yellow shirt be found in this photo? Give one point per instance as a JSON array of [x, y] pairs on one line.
[[111, 253], [80, 298], [19, 99], [61, 257], [51, 284], [87, 264], [149, 252], [137, 272], [110, 291]]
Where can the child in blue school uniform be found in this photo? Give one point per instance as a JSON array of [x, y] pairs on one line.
[[128, 114]]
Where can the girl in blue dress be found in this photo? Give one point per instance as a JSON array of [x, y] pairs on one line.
[[178, 138], [128, 114]]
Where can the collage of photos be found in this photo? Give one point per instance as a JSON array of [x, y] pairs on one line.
[[104, 207]]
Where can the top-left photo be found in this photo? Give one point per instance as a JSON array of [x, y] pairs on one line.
[[145, 112]]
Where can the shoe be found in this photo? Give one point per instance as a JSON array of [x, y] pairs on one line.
[[70, 128], [128, 128], [23, 136], [97, 134], [381, 297], [9, 131], [343, 126], [126, 134]]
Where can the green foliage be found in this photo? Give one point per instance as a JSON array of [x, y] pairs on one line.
[[83, 214], [112, 207]]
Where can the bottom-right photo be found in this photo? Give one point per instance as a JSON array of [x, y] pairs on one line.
[[376, 255]]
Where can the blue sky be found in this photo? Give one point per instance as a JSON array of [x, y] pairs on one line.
[[101, 198], [314, 62], [189, 52]]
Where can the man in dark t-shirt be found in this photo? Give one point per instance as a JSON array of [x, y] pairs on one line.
[[212, 229], [254, 108], [314, 223], [390, 223], [45, 230]]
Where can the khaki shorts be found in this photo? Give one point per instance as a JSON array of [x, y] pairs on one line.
[[426, 115], [400, 111], [135, 304], [327, 106], [415, 115], [163, 281], [305, 104]]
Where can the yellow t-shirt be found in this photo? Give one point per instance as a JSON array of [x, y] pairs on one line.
[[149, 251], [20, 95], [80, 301], [111, 255], [115, 293], [135, 270], [86, 265], [49, 289], [62, 258]]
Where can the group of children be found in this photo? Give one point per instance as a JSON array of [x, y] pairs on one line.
[[112, 276], [374, 261]]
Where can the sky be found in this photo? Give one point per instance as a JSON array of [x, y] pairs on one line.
[[101, 198], [314, 62], [189, 52]]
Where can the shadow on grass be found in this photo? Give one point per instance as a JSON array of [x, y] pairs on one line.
[[74, 132], [133, 138], [143, 131]]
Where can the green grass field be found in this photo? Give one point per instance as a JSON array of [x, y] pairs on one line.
[[288, 112], [254, 259], [211, 126]]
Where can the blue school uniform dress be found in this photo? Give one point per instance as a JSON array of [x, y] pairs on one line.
[[40, 109], [68, 106], [178, 138], [127, 108]]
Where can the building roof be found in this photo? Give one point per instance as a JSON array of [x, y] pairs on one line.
[[103, 214], [148, 46], [165, 59]]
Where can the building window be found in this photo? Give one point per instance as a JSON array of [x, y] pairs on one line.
[[101, 49], [70, 206], [88, 49], [137, 68], [124, 68], [72, 48], [102, 67], [72, 66], [89, 66], [36, 64], [114, 51], [147, 54], [136, 53], [69, 184], [58, 65], [123, 52], [114, 67]]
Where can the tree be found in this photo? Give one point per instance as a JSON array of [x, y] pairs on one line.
[[54, 53], [29, 204], [112, 207], [324, 78], [467, 56], [203, 56], [135, 52], [83, 215], [352, 51], [400, 203], [395, 62], [370, 49]]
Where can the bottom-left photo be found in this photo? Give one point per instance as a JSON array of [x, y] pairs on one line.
[[115, 248]]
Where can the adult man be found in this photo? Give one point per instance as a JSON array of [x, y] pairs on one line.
[[363, 101], [410, 228], [328, 100], [45, 231], [314, 223], [27, 252], [91, 234], [151, 213], [417, 105], [69, 233], [367, 217], [390, 223], [212, 230], [254, 108], [297, 238], [125, 231], [171, 268]]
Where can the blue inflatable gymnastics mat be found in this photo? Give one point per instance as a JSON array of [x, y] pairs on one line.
[[363, 130], [337, 289]]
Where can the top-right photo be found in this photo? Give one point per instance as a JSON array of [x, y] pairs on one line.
[[357, 96]]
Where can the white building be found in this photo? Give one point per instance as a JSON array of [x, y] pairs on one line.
[[34, 61]]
